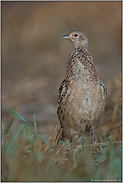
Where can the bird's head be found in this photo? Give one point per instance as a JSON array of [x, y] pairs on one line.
[[78, 39]]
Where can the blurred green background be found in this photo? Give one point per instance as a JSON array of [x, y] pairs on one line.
[[34, 55]]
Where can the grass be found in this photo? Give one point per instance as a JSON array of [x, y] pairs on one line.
[[35, 157]]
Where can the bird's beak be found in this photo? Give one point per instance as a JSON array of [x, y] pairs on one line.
[[66, 36]]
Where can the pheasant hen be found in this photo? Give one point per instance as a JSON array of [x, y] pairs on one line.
[[82, 94]]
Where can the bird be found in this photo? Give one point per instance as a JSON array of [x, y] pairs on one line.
[[82, 94]]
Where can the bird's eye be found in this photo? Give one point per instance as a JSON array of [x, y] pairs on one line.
[[75, 35]]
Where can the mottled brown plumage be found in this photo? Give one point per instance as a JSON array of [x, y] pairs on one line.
[[82, 94]]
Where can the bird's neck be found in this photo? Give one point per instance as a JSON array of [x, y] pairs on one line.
[[80, 49]]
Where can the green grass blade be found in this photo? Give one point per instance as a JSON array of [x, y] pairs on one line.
[[18, 131], [14, 138], [16, 114], [62, 141], [27, 129], [45, 140], [35, 125], [9, 126]]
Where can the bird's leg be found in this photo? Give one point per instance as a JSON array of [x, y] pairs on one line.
[[73, 149], [94, 136]]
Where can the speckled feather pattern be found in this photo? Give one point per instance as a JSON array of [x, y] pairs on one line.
[[82, 94]]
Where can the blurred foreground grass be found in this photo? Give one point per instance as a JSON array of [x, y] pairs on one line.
[[35, 157]]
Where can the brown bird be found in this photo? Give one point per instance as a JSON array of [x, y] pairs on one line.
[[82, 94]]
